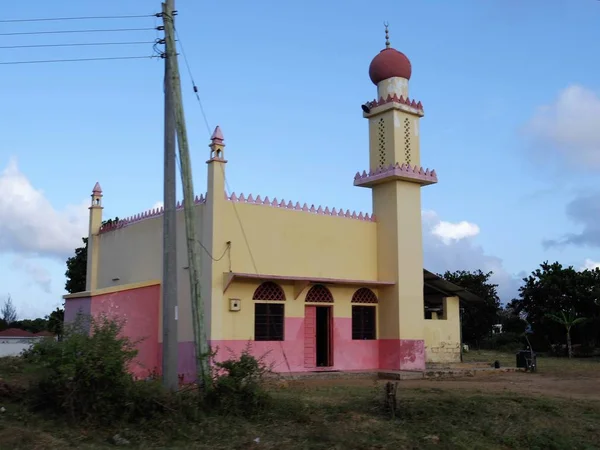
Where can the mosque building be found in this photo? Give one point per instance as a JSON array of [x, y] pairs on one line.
[[310, 287]]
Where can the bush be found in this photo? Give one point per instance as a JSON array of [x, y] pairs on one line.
[[86, 376], [238, 385], [504, 342]]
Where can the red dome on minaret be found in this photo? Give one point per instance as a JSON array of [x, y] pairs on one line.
[[389, 63]]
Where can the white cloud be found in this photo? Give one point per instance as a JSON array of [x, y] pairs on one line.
[[450, 246], [569, 127], [451, 232], [35, 271], [29, 224], [157, 205], [590, 264]]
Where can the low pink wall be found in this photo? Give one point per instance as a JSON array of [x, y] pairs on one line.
[[139, 309], [288, 355], [284, 356], [401, 354], [349, 354]]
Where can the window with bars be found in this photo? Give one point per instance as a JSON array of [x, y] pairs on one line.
[[407, 140], [269, 291], [363, 323], [268, 321], [381, 142], [319, 294], [364, 295]]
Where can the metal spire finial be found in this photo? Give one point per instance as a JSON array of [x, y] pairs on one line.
[[387, 34]]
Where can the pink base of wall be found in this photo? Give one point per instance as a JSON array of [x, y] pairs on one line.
[[139, 310], [139, 307], [402, 354]]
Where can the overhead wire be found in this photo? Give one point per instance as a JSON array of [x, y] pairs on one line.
[[56, 19], [208, 129], [75, 44], [228, 190], [109, 30], [41, 61]]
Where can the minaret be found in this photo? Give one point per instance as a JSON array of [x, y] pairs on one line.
[[396, 177], [91, 276], [213, 232]]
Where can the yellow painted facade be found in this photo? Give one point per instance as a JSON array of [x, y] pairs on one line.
[[247, 242], [442, 335]]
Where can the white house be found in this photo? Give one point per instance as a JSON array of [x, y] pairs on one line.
[[13, 340]]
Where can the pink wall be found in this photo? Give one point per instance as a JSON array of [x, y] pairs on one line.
[[139, 307], [349, 354], [74, 306], [285, 356], [401, 354], [289, 355]]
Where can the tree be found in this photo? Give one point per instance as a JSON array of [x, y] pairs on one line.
[[76, 269], [477, 318], [55, 322], [567, 320], [77, 265], [552, 288], [8, 311]]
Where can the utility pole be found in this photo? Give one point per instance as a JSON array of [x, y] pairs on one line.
[[169, 284], [193, 247]]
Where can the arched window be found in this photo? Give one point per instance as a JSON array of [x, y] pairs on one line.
[[269, 318], [364, 295], [364, 315], [269, 291], [319, 294]]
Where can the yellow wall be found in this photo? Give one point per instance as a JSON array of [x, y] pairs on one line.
[[442, 336], [287, 243], [281, 242], [134, 255], [240, 324]]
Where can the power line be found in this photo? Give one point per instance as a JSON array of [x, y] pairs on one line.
[[227, 188], [75, 31], [193, 82], [56, 19], [76, 44], [73, 60]]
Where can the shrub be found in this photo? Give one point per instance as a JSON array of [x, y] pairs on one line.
[[507, 342], [86, 376], [238, 385]]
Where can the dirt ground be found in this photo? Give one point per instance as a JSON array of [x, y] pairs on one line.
[[567, 385]]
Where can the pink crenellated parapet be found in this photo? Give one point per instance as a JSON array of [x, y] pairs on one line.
[[396, 171], [156, 212], [412, 104], [297, 207]]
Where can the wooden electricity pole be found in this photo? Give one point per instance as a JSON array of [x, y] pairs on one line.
[[193, 247], [169, 283]]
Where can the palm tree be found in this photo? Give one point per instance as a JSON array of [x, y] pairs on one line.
[[568, 320]]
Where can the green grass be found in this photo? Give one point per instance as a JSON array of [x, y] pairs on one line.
[[340, 416], [545, 364]]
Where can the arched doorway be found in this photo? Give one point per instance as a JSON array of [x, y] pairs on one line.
[[318, 327]]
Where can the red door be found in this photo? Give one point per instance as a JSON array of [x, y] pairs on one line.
[[310, 336]]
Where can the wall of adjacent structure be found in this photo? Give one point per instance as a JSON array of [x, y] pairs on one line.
[[133, 254], [137, 305], [442, 336], [237, 330]]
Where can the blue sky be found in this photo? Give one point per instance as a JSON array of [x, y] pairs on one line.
[[285, 82]]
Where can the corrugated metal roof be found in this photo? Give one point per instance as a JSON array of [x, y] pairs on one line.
[[445, 287]]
